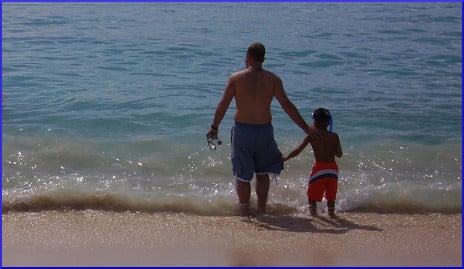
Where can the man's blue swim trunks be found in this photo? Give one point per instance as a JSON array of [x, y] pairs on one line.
[[254, 150]]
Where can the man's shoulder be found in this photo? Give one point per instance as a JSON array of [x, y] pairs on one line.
[[245, 73], [272, 74], [246, 70], [238, 74]]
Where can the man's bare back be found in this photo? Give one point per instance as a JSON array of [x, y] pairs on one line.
[[254, 91]]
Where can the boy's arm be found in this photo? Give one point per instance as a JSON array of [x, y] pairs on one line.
[[338, 150], [298, 150]]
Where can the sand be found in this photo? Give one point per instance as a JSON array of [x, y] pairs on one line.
[[98, 238]]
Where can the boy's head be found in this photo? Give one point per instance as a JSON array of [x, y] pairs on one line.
[[322, 117]]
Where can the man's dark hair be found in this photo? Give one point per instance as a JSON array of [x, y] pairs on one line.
[[257, 51]]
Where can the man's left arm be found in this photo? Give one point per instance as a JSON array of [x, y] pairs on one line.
[[290, 108]]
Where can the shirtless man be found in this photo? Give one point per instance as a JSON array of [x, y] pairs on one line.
[[324, 174], [254, 150]]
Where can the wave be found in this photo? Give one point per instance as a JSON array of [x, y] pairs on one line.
[[173, 175], [391, 200], [106, 201]]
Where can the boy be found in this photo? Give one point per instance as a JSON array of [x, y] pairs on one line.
[[324, 175]]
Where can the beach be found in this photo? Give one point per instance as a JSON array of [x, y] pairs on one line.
[[102, 238], [105, 160]]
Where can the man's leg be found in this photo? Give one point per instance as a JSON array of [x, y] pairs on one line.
[[262, 191], [244, 193]]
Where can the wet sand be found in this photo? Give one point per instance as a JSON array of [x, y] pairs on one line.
[[98, 238]]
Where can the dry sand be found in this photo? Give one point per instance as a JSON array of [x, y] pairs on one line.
[[96, 238]]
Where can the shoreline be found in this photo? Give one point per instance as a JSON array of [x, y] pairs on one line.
[[102, 238]]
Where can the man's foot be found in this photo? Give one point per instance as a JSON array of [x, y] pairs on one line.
[[244, 209], [261, 213]]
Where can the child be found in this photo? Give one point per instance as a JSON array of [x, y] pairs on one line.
[[324, 175]]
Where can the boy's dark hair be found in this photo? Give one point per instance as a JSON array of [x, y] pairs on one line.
[[322, 115], [257, 51]]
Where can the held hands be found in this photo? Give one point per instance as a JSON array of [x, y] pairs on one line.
[[313, 132]]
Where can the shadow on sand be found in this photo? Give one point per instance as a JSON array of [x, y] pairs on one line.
[[314, 224]]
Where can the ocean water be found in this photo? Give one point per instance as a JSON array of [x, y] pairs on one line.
[[106, 105]]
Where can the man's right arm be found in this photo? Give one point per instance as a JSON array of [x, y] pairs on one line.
[[223, 105]]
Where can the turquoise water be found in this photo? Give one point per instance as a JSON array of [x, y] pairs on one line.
[[107, 104]]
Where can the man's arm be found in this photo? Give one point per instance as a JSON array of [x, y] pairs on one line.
[[223, 105], [289, 107]]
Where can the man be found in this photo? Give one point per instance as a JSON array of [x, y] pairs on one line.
[[254, 150]]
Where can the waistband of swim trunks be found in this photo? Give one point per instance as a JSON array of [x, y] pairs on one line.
[[239, 124], [326, 165]]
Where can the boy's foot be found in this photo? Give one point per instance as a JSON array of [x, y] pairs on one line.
[[331, 208], [312, 207], [313, 211], [332, 213]]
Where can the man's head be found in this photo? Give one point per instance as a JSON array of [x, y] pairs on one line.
[[256, 52], [322, 117]]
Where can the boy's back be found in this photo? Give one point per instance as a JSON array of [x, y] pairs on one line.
[[326, 147]]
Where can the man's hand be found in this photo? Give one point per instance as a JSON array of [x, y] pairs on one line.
[[213, 131], [313, 132]]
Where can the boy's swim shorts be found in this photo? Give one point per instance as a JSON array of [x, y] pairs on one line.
[[323, 180]]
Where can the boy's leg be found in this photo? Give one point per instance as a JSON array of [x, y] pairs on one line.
[[315, 192], [331, 195], [312, 207], [331, 208]]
